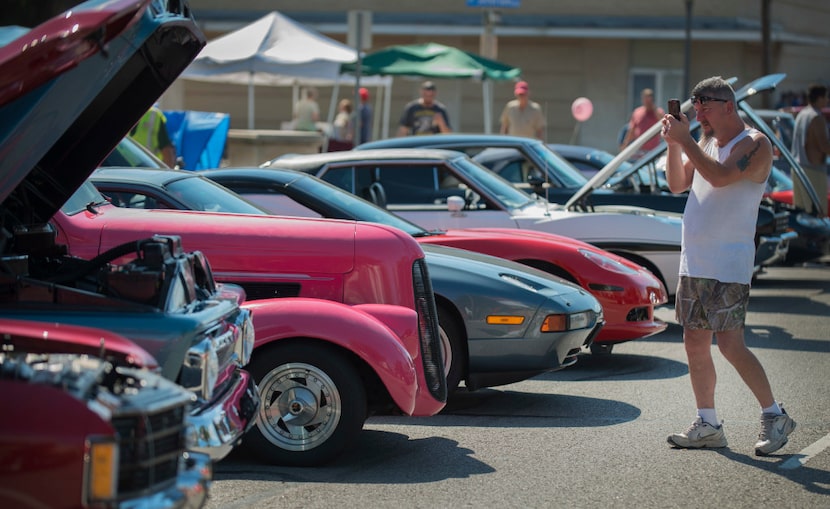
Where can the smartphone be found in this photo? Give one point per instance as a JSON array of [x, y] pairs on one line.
[[674, 108]]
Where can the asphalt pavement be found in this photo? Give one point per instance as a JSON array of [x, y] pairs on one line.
[[594, 434]]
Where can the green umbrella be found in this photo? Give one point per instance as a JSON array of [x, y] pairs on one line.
[[432, 60]]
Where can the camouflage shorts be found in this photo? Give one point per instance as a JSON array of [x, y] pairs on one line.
[[709, 304]]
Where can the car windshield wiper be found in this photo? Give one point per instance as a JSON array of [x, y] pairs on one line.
[[91, 206], [430, 233]]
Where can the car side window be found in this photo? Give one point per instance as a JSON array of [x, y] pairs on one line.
[[406, 184], [135, 200], [277, 203], [512, 171], [587, 169], [342, 177], [418, 184]]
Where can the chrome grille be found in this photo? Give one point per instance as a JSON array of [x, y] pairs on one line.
[[151, 438], [428, 331]]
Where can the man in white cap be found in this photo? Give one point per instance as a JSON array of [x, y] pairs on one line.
[[521, 116]]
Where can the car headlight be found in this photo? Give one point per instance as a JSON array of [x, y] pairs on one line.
[[247, 339], [201, 369], [607, 262], [565, 322]]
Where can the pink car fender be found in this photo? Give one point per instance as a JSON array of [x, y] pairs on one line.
[[349, 328]]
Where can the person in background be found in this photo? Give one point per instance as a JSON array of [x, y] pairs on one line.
[[365, 113], [151, 131], [521, 116], [343, 129], [424, 115], [643, 117], [306, 111], [811, 148], [726, 174]]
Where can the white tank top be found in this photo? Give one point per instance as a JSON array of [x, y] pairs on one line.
[[719, 224]]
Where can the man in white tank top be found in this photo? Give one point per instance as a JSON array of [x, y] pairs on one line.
[[725, 174]]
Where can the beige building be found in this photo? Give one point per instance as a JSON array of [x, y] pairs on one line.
[[603, 50]]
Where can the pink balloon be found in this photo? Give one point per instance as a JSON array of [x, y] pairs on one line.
[[582, 109]]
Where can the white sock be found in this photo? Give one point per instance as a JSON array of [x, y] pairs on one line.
[[774, 409], [708, 415]]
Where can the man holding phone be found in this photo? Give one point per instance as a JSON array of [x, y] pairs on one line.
[[725, 174]]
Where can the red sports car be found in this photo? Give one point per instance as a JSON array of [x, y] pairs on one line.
[[628, 292]]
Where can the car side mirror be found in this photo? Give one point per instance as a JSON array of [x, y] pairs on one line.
[[455, 204]]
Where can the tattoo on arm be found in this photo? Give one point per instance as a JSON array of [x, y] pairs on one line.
[[743, 163]]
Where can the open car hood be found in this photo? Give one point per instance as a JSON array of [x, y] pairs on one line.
[[75, 85], [604, 175]]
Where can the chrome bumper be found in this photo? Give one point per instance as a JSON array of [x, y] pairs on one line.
[[773, 249], [214, 430], [190, 490]]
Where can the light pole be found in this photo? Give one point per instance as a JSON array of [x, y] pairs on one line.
[[687, 55]]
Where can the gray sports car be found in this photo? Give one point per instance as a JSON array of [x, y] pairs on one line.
[[501, 322]]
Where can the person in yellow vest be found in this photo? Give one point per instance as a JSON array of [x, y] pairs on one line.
[[151, 131]]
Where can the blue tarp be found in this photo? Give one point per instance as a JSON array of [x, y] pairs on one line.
[[199, 136]]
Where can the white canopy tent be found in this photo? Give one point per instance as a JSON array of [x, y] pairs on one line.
[[277, 51]]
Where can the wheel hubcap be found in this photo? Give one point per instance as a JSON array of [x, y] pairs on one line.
[[300, 407]]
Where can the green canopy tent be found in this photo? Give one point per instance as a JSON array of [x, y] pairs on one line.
[[433, 60]]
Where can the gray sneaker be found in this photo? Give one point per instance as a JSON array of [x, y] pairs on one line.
[[699, 435], [775, 431]]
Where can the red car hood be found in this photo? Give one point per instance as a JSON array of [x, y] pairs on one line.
[[505, 234], [38, 337]]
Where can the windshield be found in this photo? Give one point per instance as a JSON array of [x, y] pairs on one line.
[[565, 171], [207, 196], [130, 154], [349, 206], [496, 187], [85, 195]]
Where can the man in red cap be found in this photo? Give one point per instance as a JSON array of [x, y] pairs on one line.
[[365, 113], [521, 116]]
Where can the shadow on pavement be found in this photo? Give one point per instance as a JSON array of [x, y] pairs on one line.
[[813, 480], [617, 366], [396, 452], [492, 408]]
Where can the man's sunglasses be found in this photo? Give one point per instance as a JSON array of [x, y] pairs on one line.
[[703, 99]]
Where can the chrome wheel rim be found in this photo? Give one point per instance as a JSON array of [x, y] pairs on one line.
[[301, 407]]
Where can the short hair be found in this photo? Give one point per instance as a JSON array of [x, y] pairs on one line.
[[816, 92], [715, 87]]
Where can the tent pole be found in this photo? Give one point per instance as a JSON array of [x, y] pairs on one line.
[[387, 104], [333, 103], [487, 92], [251, 100]]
